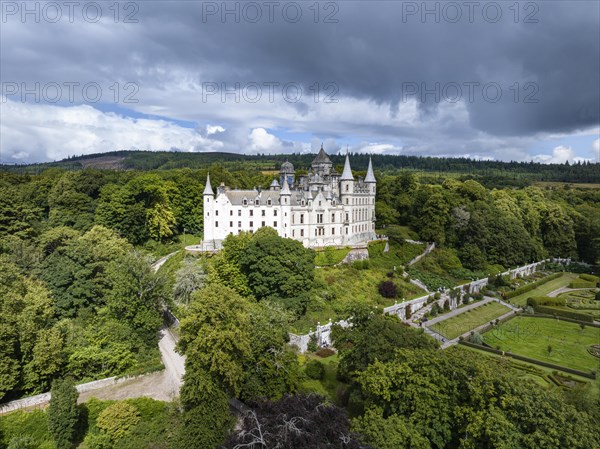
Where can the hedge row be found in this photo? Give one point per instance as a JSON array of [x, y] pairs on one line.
[[589, 278], [589, 375], [536, 301], [565, 313], [532, 286], [582, 284]]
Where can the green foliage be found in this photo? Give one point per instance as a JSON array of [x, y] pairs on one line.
[[118, 420], [471, 395], [206, 419], [374, 337], [330, 256], [390, 432], [532, 286], [63, 414], [589, 278], [22, 425], [545, 301], [276, 267], [22, 442], [582, 284], [137, 294], [314, 369], [189, 278]]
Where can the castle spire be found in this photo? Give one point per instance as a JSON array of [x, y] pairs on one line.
[[347, 173], [370, 175], [207, 188], [285, 190]]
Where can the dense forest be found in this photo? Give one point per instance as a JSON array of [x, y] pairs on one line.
[[488, 172], [79, 299]]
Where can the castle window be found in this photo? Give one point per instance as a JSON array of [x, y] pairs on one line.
[[269, 202], [319, 203], [285, 201], [293, 233], [257, 202], [262, 224], [347, 187], [245, 202], [239, 212], [216, 224], [315, 232], [251, 213], [231, 224], [274, 224], [275, 213], [301, 232], [239, 224], [217, 213], [230, 213], [332, 231], [319, 218], [251, 224], [346, 216], [263, 212], [333, 218], [301, 218]]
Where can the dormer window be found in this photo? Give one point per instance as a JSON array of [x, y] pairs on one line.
[[269, 202], [245, 202], [257, 202]]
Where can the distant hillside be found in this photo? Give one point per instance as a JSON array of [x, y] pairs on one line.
[[507, 172]]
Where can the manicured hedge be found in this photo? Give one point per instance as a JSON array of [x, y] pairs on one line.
[[532, 286], [589, 278], [545, 301], [582, 284], [589, 375], [564, 313]]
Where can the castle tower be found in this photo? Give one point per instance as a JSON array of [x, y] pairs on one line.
[[285, 201], [287, 173], [209, 201]]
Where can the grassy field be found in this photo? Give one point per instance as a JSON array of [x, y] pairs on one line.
[[466, 321], [328, 386], [338, 287], [544, 289], [549, 340]]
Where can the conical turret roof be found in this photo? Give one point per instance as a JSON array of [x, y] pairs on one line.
[[285, 190], [207, 188], [370, 175], [322, 157], [347, 173]]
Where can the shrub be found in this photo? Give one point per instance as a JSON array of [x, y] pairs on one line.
[[325, 352], [312, 344], [22, 442], [388, 289], [532, 286], [582, 284], [564, 313], [545, 301], [437, 295], [118, 420], [314, 369], [62, 413], [589, 278], [97, 441]]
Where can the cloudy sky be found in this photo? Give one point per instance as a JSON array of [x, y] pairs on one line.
[[487, 80]]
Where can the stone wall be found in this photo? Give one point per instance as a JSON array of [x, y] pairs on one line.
[[43, 399]]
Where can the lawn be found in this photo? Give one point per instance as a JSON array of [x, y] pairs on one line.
[[544, 289], [469, 320], [336, 288], [328, 386], [549, 340]]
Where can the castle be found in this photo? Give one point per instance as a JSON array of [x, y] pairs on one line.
[[320, 209]]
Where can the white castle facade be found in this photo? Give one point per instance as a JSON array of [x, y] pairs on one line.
[[320, 209]]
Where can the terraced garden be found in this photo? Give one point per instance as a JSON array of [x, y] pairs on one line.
[[469, 320], [550, 340], [544, 289]]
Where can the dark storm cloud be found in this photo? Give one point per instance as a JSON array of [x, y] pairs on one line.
[[371, 53]]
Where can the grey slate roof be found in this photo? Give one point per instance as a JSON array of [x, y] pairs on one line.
[[321, 158]]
